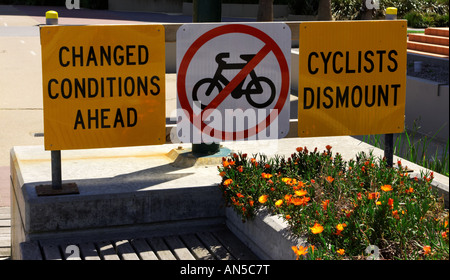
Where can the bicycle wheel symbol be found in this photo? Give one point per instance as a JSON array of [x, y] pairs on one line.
[[255, 91]]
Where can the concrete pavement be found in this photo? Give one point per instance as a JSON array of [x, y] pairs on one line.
[[21, 71], [20, 81]]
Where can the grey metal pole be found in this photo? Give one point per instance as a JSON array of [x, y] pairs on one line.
[[51, 18], [56, 170], [206, 11], [389, 148], [391, 14]]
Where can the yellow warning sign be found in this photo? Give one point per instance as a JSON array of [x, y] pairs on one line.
[[352, 78], [103, 86]]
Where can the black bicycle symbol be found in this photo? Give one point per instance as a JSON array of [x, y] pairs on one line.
[[203, 89]]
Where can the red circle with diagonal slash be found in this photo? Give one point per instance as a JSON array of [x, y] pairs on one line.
[[222, 30]]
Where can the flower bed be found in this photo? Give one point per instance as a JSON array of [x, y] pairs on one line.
[[347, 210]]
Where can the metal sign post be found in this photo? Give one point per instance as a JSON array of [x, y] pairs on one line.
[[206, 11], [57, 187], [391, 14], [389, 148]]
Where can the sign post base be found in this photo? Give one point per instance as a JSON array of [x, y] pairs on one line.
[[49, 190], [205, 149]]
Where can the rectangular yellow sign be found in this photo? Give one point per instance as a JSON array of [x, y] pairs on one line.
[[352, 78], [103, 86]]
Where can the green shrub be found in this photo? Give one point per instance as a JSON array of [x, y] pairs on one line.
[[342, 208]]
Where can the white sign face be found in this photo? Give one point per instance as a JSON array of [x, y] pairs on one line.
[[233, 82]]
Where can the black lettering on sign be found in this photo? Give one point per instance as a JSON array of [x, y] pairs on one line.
[[102, 118], [103, 55], [346, 62], [350, 96], [103, 87]]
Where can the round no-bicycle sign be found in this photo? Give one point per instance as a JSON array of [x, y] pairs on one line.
[[231, 73]]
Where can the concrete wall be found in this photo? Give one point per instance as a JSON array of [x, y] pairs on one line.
[[243, 10], [428, 101], [166, 6], [178, 6]]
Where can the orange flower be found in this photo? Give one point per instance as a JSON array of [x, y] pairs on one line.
[[395, 214], [222, 173], [227, 182], [410, 190], [301, 193], [240, 195], [279, 202], [341, 252], [225, 163], [266, 175], [288, 197], [251, 202], [386, 188], [391, 203], [340, 227], [300, 251], [426, 250], [325, 204], [263, 198], [240, 169], [297, 201], [328, 147], [288, 217], [330, 179], [299, 149], [373, 195], [287, 180], [316, 229]]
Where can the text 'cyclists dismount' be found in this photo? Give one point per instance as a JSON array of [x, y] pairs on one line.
[[352, 78], [233, 82]]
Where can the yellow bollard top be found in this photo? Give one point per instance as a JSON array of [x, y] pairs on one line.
[[51, 14], [391, 11]]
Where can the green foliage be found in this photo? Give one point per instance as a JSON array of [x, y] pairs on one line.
[[416, 148], [304, 7], [419, 13], [421, 20]]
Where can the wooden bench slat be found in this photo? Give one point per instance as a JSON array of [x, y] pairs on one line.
[[30, 251], [51, 252], [198, 249], [143, 249], [161, 249], [214, 246], [107, 251], [125, 250], [234, 245], [178, 248], [89, 252]]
